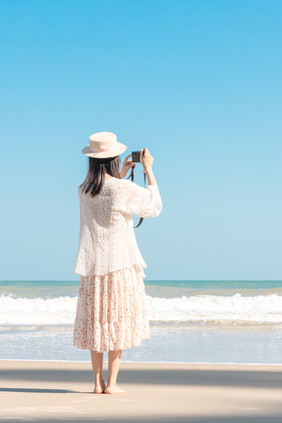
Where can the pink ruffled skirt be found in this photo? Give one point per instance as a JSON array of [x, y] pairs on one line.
[[110, 313]]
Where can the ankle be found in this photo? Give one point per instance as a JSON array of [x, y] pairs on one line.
[[99, 381], [111, 384]]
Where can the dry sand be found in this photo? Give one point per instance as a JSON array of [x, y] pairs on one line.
[[62, 391]]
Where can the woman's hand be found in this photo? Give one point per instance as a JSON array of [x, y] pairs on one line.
[[146, 159], [126, 165]]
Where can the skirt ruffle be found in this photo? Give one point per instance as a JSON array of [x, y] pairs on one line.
[[111, 313]]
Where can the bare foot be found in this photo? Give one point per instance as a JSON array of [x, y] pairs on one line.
[[100, 389], [113, 390]]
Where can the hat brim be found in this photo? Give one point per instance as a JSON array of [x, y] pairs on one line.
[[103, 154]]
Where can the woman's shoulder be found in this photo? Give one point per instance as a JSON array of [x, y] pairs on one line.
[[130, 186], [127, 183], [123, 183], [117, 180], [123, 187]]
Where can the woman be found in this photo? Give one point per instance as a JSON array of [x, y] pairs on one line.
[[111, 314]]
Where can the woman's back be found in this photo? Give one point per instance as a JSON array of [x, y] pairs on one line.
[[107, 239]]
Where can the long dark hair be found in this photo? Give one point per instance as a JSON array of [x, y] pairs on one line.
[[96, 173]]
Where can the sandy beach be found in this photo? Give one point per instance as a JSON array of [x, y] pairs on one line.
[[62, 391]]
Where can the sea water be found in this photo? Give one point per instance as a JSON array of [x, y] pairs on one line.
[[190, 321]]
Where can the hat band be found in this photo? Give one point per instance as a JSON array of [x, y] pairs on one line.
[[100, 149]]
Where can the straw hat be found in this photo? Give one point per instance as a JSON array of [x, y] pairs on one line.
[[103, 144]]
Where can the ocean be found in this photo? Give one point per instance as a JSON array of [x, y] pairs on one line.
[[190, 322]]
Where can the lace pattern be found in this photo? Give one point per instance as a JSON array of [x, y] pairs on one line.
[[107, 240]]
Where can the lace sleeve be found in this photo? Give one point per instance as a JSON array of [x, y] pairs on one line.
[[141, 201]]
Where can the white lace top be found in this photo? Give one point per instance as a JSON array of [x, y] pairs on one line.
[[107, 240]]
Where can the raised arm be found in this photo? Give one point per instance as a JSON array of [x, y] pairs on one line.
[[147, 161], [141, 201]]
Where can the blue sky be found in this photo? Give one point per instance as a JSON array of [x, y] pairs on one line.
[[197, 82]]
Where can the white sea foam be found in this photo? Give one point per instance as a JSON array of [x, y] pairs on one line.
[[211, 309]]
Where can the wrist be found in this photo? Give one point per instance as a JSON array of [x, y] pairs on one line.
[[147, 168]]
